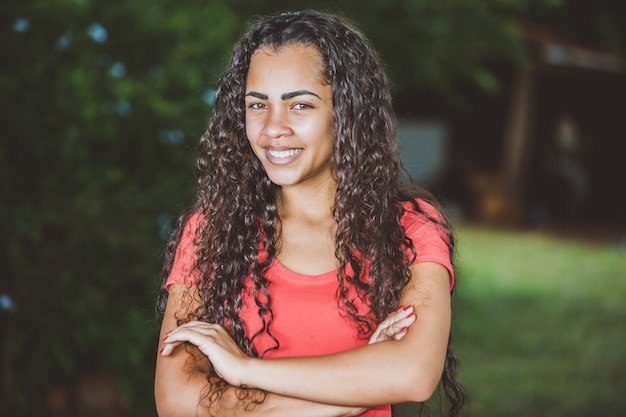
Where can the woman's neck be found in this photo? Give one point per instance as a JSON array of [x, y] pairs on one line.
[[314, 203], [307, 229]]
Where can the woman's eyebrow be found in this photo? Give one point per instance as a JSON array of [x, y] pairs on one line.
[[260, 96], [285, 96], [297, 93]]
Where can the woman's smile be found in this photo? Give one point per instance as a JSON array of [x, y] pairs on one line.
[[281, 156]]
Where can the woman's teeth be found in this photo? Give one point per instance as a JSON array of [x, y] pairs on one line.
[[284, 154]]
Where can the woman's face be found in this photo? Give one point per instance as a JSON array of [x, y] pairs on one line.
[[289, 121]]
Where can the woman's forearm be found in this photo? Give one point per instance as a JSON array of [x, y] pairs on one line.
[[372, 375], [184, 399]]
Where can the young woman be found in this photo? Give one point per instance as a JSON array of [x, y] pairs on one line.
[[310, 278]]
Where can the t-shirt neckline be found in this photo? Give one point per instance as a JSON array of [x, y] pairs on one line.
[[283, 271]]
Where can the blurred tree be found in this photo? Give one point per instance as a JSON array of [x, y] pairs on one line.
[[102, 102]]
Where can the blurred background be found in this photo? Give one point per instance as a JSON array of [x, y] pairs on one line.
[[510, 111]]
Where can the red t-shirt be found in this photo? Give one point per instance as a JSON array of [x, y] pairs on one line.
[[307, 320]]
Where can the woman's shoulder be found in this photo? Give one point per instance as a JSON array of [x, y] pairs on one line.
[[426, 225], [193, 222], [421, 210], [188, 225]]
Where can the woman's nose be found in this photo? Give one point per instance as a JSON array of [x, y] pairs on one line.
[[277, 123]]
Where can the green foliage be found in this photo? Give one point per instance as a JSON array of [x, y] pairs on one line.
[[105, 103]]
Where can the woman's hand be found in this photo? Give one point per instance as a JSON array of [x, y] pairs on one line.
[[395, 326], [213, 340]]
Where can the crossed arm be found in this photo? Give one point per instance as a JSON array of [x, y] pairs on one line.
[[407, 368]]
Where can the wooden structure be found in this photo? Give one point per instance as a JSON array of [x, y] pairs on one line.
[[547, 52]]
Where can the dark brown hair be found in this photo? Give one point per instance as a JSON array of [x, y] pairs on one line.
[[238, 201]]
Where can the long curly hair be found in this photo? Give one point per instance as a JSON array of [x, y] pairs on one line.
[[239, 202]]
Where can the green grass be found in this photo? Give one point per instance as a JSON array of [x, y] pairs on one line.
[[540, 324]]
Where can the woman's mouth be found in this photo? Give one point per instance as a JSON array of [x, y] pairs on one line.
[[282, 156], [283, 153]]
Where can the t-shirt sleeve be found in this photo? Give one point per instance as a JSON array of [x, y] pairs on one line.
[[429, 238], [183, 270]]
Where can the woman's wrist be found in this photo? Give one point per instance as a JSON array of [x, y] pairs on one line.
[[250, 372]]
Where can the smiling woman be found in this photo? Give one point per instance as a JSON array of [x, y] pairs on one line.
[[311, 277]]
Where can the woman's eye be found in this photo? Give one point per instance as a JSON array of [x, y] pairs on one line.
[[302, 106], [256, 106]]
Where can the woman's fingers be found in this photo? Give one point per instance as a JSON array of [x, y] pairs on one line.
[[195, 332], [168, 348], [395, 326]]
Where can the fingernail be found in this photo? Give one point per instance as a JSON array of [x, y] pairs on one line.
[[399, 308], [166, 336], [161, 351], [402, 330], [410, 315], [407, 308]]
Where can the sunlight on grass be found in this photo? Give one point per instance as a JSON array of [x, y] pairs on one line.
[[540, 324]]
